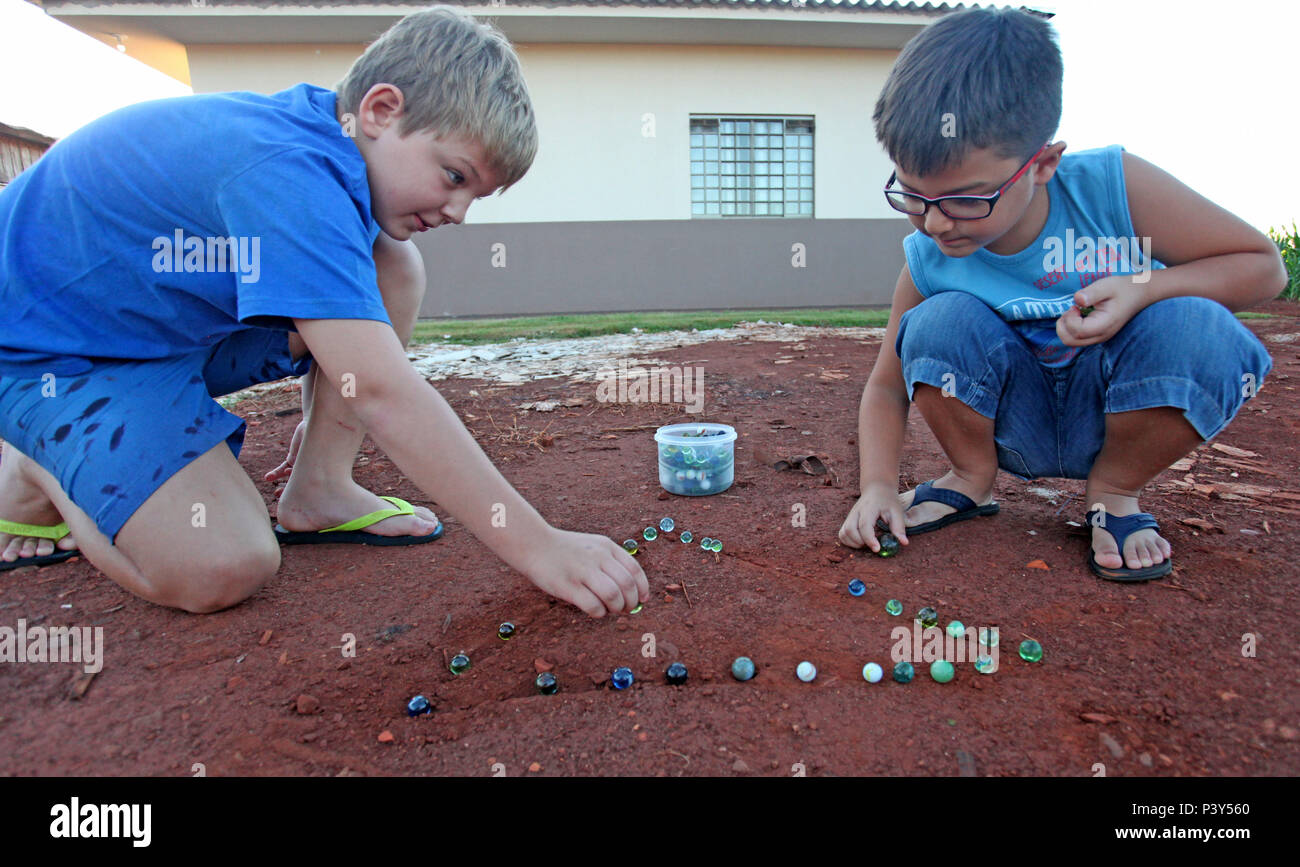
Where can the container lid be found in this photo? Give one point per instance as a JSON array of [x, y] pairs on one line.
[[696, 434]]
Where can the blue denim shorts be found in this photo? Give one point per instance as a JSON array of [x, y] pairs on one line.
[[114, 435], [1188, 353]]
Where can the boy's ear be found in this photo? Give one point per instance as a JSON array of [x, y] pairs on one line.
[[1048, 162], [380, 108]]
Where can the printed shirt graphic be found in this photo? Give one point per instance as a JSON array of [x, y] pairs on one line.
[[1088, 235], [165, 226]]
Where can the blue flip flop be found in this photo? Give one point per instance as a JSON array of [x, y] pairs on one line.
[[926, 492], [350, 533], [54, 533], [1120, 528]]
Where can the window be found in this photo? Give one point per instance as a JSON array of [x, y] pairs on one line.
[[751, 166]]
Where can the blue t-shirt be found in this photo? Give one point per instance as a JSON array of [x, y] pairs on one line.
[[164, 226], [1088, 235]]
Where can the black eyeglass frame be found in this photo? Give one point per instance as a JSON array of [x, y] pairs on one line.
[[991, 199]]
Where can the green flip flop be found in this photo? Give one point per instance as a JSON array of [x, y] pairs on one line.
[[349, 533], [54, 533]]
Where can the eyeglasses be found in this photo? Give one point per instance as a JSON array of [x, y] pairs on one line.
[[954, 207]]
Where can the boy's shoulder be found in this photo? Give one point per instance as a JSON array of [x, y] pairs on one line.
[[216, 136]]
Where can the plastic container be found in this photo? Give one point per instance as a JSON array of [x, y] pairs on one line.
[[696, 459]]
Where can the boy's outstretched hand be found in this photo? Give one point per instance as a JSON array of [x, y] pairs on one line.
[[589, 571], [1114, 301], [859, 528]]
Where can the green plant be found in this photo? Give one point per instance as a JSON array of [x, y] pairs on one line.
[[1288, 244]]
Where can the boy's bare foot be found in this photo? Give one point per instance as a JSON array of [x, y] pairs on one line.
[[23, 502], [308, 505], [1141, 549], [928, 511]]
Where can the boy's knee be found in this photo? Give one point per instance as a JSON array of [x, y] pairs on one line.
[[399, 266], [941, 320], [222, 585]]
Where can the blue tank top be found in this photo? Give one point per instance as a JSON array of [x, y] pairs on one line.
[[1088, 235]]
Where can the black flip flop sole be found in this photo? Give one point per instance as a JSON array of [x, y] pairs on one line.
[[47, 560], [352, 537], [1129, 576], [939, 523]]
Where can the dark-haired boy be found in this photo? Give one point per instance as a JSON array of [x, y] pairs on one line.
[[1107, 361]]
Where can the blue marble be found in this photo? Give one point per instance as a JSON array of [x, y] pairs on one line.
[[621, 678], [459, 663], [547, 683], [857, 588], [872, 673], [686, 536], [676, 674], [806, 671], [650, 534], [418, 705], [903, 672], [667, 524]]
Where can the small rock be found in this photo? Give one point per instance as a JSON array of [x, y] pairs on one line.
[[534, 767], [307, 704], [965, 764], [673, 587], [1101, 718], [1165, 760], [266, 636], [1287, 732], [739, 766], [235, 683], [1111, 744], [1145, 760], [386, 737], [542, 665]]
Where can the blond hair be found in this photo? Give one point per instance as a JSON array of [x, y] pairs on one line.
[[458, 76]]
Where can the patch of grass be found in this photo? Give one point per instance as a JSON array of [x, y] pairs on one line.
[[1254, 315], [471, 331], [1288, 244]]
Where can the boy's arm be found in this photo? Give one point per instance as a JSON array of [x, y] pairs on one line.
[[1210, 253], [882, 420], [422, 434]]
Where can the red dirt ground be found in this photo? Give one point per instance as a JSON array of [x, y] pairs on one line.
[[1157, 668]]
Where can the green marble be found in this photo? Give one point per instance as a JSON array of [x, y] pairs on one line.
[[1030, 650]]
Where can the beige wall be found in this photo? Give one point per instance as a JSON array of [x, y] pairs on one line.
[[592, 104]]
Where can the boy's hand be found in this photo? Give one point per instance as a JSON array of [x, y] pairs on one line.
[[591, 572], [1113, 301], [859, 528], [286, 468]]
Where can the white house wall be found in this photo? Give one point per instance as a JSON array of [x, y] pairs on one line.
[[614, 119]]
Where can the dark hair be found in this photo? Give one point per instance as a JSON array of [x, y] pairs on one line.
[[982, 78]]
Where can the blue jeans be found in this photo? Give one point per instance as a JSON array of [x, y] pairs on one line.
[[1188, 353], [114, 435]]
